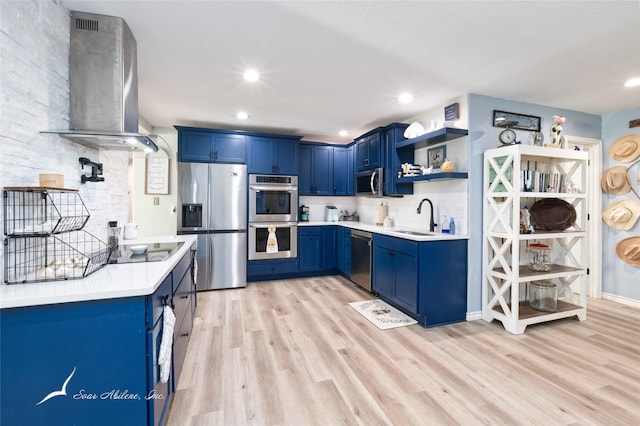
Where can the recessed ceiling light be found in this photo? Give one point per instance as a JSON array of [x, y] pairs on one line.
[[242, 115], [405, 98], [343, 133], [251, 75], [633, 82]]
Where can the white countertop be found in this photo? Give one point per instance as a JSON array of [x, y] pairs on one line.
[[392, 232], [110, 282]]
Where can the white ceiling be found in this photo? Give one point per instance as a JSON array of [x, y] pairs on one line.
[[328, 66]]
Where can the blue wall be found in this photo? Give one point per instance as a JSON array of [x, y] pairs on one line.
[[483, 136], [619, 278]]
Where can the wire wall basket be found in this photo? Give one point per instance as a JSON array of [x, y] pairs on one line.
[[67, 256], [35, 211]]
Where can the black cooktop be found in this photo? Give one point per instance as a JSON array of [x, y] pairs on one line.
[[156, 252]]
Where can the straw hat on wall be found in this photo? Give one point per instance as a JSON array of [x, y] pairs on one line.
[[629, 250], [621, 215], [615, 181], [625, 149]]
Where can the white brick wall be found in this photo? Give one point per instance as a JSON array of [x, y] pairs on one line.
[[34, 86]]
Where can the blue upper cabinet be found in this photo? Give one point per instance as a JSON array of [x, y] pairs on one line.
[[343, 170], [207, 146], [326, 170], [393, 134], [229, 149], [369, 152], [273, 155], [316, 170]]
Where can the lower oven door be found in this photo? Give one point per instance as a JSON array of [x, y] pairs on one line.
[[279, 243]]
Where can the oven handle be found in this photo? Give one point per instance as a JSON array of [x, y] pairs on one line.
[[272, 188], [276, 224]]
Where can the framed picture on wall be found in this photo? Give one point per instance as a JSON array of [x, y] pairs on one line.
[[157, 175], [436, 156], [522, 122]]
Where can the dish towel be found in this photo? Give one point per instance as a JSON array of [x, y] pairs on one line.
[[164, 359]]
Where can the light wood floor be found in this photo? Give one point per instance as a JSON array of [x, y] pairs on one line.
[[294, 353]]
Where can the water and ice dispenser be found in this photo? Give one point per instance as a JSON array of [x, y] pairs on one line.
[[192, 216]]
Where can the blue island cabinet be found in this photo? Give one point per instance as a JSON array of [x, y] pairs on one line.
[[426, 280], [88, 363]]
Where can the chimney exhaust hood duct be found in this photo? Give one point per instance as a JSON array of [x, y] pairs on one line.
[[103, 85]]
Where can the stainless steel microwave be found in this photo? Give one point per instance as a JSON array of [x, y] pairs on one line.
[[370, 182]]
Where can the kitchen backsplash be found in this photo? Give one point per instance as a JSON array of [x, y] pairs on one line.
[[449, 199]]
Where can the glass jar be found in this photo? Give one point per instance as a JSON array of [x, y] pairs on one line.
[[543, 296], [539, 256]]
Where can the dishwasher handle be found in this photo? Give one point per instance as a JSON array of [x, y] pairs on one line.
[[360, 235]]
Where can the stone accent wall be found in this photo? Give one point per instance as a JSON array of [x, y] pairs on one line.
[[34, 85]]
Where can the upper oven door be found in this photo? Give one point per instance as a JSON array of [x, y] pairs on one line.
[[273, 202]]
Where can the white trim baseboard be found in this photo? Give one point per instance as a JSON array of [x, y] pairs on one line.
[[473, 316], [619, 299]]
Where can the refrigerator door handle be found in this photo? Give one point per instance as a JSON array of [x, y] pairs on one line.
[[210, 260]]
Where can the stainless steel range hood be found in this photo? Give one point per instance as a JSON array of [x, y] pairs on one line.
[[103, 85]]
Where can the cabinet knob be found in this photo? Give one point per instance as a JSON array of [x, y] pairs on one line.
[[186, 296]]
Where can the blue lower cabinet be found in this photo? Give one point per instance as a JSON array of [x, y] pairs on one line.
[[329, 255], [103, 353], [443, 282], [344, 251], [396, 271], [259, 270], [427, 280], [309, 248], [98, 349]]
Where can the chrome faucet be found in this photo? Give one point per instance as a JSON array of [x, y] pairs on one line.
[[432, 223]]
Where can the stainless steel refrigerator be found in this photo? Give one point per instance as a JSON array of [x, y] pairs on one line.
[[212, 203]]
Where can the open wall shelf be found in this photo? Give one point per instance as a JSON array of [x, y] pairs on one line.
[[432, 138]]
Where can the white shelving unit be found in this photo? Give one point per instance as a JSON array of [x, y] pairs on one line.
[[506, 276]]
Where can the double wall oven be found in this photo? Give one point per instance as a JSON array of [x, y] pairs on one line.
[[273, 204]]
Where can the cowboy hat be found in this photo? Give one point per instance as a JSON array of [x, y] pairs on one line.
[[615, 181], [621, 215], [629, 250], [625, 149]]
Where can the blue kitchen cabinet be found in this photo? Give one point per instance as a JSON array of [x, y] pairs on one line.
[[207, 146], [396, 271], [443, 282], [369, 150], [273, 155], [427, 280], [309, 248], [106, 351], [329, 254], [259, 270], [344, 251], [343, 171], [394, 158], [316, 170]]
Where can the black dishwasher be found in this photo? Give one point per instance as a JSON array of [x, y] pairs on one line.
[[361, 258]]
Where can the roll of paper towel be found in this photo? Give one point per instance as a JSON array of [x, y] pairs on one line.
[[382, 213]]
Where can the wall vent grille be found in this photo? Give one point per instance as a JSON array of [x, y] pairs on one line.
[[86, 24]]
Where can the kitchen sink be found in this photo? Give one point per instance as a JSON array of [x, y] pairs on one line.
[[418, 233]]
